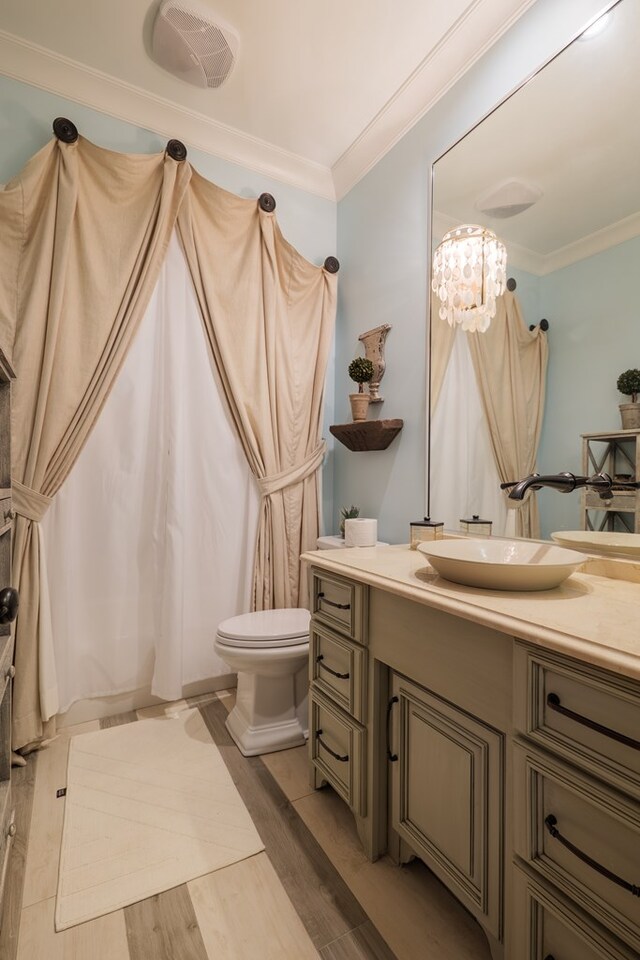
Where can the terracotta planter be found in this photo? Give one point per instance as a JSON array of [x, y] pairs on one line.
[[359, 405], [630, 413]]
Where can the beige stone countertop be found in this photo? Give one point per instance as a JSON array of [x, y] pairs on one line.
[[593, 617]]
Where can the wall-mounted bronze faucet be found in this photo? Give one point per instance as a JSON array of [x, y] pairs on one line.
[[566, 483]]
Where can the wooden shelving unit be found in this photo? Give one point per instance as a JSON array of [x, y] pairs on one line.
[[615, 453], [367, 434]]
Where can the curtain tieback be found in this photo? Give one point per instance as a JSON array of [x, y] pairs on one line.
[[288, 478], [29, 503]]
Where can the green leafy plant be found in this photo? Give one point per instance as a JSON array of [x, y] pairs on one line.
[[361, 371], [348, 513], [629, 384]]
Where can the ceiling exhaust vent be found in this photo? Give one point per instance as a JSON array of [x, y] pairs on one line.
[[508, 199], [192, 45]]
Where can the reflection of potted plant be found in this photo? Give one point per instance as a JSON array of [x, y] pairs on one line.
[[629, 384], [361, 371]]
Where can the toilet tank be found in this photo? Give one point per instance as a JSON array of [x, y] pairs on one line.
[[329, 543]]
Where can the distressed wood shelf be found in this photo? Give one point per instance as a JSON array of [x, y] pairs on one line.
[[367, 434]]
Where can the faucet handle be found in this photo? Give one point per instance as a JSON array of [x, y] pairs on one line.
[[603, 483]]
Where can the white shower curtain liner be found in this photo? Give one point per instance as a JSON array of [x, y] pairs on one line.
[[150, 540], [464, 477]]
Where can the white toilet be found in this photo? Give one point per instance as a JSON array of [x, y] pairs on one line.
[[267, 649]]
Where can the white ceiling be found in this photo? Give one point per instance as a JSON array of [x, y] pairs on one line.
[[319, 92], [572, 132]]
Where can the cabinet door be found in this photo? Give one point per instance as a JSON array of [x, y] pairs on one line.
[[447, 795]]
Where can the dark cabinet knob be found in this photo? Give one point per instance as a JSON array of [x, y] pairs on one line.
[[8, 604]]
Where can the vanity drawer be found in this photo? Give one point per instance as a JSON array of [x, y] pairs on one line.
[[340, 604], [338, 668], [336, 744], [549, 927], [587, 715], [582, 836]]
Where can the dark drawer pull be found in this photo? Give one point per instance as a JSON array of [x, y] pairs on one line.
[[335, 755], [332, 603], [551, 825], [390, 756], [340, 676], [553, 702]]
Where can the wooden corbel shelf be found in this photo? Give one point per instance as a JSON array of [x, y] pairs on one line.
[[367, 434]]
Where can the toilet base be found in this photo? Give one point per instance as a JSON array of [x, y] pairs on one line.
[[256, 724], [252, 741]]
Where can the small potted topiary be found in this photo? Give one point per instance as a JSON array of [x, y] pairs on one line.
[[348, 513], [629, 384], [360, 371]]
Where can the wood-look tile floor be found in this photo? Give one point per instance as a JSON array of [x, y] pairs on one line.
[[311, 894]]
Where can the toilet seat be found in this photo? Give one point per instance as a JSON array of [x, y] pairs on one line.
[[265, 629]]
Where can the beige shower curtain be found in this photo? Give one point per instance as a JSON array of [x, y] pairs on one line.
[[268, 315], [510, 362], [88, 230], [84, 232]]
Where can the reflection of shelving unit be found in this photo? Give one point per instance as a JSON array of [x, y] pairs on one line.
[[615, 453]]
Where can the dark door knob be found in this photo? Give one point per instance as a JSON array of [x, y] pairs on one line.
[[8, 604]]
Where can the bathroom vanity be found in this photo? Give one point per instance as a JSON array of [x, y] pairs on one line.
[[496, 736]]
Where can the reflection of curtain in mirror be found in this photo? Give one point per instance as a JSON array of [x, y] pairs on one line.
[[464, 479], [511, 366], [486, 422]]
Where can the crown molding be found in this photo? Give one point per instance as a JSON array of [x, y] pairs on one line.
[[594, 243], [475, 30], [541, 264], [35, 65]]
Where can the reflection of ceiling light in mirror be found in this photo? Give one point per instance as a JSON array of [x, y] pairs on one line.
[[469, 273], [597, 27], [508, 199]]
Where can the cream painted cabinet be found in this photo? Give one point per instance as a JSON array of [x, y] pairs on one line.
[[447, 788], [549, 926], [576, 807], [338, 681]]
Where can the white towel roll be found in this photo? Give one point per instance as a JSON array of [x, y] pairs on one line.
[[360, 532]]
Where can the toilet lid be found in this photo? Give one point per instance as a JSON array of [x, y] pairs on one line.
[[269, 628]]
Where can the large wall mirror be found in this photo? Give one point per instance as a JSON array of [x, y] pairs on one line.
[[554, 171]]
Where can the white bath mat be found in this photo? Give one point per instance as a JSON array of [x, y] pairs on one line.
[[150, 805]]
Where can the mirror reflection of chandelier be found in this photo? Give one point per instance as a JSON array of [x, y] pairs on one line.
[[469, 273]]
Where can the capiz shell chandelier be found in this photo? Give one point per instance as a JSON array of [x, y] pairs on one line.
[[469, 273]]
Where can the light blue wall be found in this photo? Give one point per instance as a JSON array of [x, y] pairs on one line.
[[528, 294], [307, 221], [592, 310], [383, 249]]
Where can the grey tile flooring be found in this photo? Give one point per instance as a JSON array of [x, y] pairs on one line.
[[309, 873], [320, 896], [363, 943], [118, 719], [164, 927], [22, 788]]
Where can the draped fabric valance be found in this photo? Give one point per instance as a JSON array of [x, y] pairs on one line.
[[84, 232], [268, 315]]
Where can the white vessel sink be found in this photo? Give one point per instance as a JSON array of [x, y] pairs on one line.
[[622, 544], [502, 564]]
